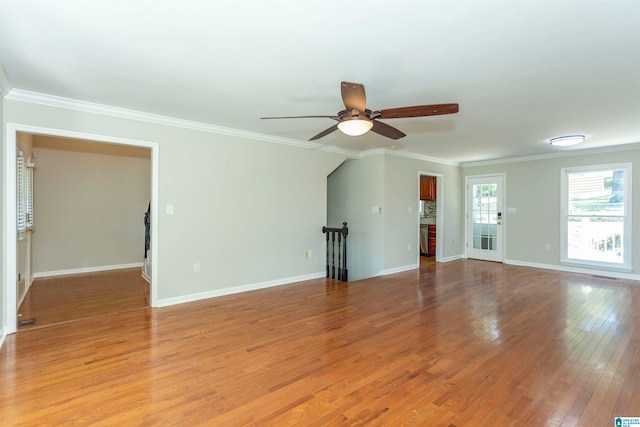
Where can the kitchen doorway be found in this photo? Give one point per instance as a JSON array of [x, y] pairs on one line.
[[431, 202]]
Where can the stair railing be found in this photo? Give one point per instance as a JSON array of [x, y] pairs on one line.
[[337, 244]]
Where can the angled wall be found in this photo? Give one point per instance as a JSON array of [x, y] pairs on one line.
[[386, 241]]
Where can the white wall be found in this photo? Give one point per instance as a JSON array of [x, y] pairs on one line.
[[378, 243], [402, 190], [246, 210], [354, 188], [533, 188], [3, 291], [89, 204]]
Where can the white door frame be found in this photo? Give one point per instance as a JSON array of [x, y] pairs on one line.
[[503, 233], [440, 196], [9, 214]]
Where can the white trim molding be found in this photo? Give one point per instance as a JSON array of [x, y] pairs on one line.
[[106, 110], [123, 113], [451, 258], [589, 271], [83, 270], [567, 153], [399, 269], [165, 302]]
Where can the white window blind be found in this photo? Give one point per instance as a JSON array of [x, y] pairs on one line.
[[29, 195], [20, 192]]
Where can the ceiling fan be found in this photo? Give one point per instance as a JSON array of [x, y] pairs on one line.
[[356, 119]]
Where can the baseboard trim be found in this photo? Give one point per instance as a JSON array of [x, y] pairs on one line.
[[165, 302], [399, 269], [451, 258], [86, 270], [607, 273]]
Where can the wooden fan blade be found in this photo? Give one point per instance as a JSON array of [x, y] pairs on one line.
[[300, 117], [353, 96], [324, 132], [417, 111], [386, 130]]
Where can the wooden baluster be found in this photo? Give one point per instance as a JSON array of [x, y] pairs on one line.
[[339, 262], [341, 249], [324, 230], [345, 271], [333, 255]]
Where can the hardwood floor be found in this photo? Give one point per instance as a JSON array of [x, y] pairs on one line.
[[464, 343], [62, 299]]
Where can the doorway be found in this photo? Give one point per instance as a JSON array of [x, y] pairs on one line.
[[431, 200], [10, 273], [485, 217]]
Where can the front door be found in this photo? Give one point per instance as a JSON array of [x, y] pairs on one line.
[[485, 216]]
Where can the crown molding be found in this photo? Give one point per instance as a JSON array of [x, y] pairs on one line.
[[421, 157], [569, 153], [5, 85], [406, 154], [106, 110], [123, 113]]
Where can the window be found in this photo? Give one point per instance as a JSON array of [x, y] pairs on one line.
[[596, 217], [29, 195], [21, 214], [24, 195], [484, 211]]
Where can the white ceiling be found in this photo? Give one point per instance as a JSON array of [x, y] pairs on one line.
[[522, 71]]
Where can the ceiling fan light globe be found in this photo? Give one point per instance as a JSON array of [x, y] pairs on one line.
[[356, 126]]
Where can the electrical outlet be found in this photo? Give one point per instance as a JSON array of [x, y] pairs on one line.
[[409, 248], [196, 268], [308, 254], [547, 247]]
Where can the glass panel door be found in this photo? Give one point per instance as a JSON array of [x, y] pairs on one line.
[[484, 218]]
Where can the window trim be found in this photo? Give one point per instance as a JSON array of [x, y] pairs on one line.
[[564, 215]]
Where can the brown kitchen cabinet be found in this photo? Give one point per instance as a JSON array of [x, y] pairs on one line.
[[427, 187], [431, 238]]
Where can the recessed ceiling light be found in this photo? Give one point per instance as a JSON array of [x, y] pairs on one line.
[[566, 140]]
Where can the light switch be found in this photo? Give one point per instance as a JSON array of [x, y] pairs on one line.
[[169, 209], [512, 210], [375, 209]]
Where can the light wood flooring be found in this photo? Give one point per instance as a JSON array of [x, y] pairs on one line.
[[61, 299], [463, 343]]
